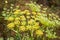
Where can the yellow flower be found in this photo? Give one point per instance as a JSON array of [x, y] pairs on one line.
[[17, 12], [23, 23], [35, 27], [27, 17], [39, 33], [17, 18], [34, 13], [22, 12], [26, 11], [10, 19], [22, 28], [22, 17], [38, 14], [36, 23], [11, 25], [28, 27], [31, 21], [33, 16], [17, 22]]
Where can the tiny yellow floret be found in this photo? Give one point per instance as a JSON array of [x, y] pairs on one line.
[[11, 25], [39, 32]]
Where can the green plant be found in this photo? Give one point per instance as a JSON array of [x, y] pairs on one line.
[[34, 7], [30, 25]]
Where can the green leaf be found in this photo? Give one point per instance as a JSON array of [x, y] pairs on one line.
[[4, 14]]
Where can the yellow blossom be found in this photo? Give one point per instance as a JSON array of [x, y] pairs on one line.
[[38, 14], [35, 27], [11, 25], [26, 11], [34, 13], [10, 19], [23, 23], [28, 27], [36, 23], [39, 32], [17, 22], [17, 18], [22, 28], [17, 12], [31, 21], [22, 18], [27, 17], [22, 12], [33, 16]]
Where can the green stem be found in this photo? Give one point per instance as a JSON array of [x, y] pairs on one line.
[[48, 38], [32, 35], [43, 38]]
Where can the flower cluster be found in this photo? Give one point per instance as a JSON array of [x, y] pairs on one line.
[[31, 22], [23, 21]]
